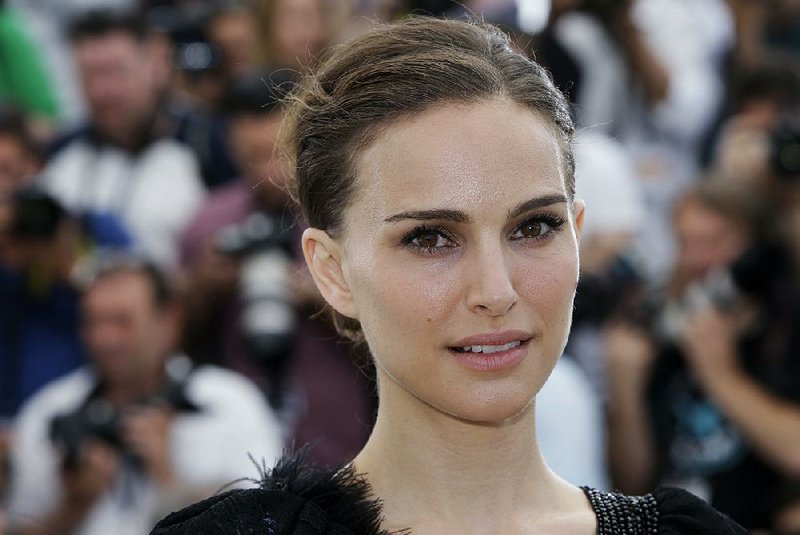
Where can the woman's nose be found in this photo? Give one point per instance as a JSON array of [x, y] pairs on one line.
[[491, 289]]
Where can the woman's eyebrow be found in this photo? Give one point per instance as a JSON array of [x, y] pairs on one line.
[[426, 215], [457, 216], [538, 202]]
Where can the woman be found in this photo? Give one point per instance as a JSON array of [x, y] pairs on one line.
[[434, 169]]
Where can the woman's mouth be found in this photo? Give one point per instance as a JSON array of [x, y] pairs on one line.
[[491, 357], [488, 349]]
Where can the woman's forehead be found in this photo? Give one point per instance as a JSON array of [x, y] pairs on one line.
[[460, 155]]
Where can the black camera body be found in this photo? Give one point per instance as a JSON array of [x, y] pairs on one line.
[[96, 419], [264, 248]]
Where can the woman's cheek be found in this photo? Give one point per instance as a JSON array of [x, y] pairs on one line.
[[407, 296], [549, 285]]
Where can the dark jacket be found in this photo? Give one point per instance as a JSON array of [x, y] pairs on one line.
[[296, 498]]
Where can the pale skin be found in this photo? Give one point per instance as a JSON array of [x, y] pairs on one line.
[[461, 225]]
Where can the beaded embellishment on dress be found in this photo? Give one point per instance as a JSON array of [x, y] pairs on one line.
[[618, 514]]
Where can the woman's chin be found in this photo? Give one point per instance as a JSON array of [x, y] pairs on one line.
[[498, 411]]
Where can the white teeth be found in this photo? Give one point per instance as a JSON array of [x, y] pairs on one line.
[[490, 349]]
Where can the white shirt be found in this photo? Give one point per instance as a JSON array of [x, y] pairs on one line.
[[154, 193], [570, 427], [211, 448], [689, 38]]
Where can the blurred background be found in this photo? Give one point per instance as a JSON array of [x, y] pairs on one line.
[[157, 321]]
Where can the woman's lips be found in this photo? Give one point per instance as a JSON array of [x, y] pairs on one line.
[[495, 358], [493, 338]]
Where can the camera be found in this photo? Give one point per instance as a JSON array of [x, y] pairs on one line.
[[96, 419], [752, 277], [197, 56], [265, 250], [264, 247]]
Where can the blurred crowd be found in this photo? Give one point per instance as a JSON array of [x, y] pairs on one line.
[[157, 324]]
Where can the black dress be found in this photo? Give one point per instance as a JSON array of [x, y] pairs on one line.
[[296, 498]]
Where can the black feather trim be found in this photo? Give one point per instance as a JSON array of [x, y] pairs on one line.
[[295, 497]]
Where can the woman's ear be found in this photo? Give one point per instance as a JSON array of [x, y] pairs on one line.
[[578, 209], [323, 256]]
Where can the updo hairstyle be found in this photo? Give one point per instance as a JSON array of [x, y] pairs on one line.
[[389, 73]]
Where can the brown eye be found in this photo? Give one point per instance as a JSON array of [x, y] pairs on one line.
[[538, 228], [531, 229], [428, 239]]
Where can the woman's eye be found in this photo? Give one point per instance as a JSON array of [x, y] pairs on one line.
[[428, 239], [537, 228], [531, 229]]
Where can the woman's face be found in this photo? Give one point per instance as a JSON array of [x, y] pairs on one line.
[[461, 234]]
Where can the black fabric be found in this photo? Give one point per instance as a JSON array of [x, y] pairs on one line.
[[666, 511], [683, 513], [697, 441], [294, 498]]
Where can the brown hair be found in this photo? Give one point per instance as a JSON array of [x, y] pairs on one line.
[[735, 202], [389, 73], [739, 204]]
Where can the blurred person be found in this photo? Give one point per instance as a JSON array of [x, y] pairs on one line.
[[232, 28], [197, 79], [125, 161], [39, 337], [111, 446], [763, 123], [249, 298], [709, 398], [649, 73], [47, 22], [40, 247], [291, 32], [212, 45]]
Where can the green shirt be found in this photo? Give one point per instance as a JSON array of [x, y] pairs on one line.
[[23, 80]]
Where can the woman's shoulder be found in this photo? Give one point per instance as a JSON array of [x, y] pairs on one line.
[[665, 511], [294, 497]]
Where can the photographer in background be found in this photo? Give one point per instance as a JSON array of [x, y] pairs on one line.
[[756, 142], [709, 399], [649, 74], [113, 446], [128, 160], [249, 296]]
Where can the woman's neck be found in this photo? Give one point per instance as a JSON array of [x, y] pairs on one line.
[[438, 474]]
